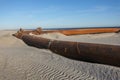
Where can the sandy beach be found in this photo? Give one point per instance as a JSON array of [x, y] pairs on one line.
[[21, 62]]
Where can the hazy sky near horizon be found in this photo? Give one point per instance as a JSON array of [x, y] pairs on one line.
[[59, 13]]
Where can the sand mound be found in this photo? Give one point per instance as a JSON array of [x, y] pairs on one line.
[[104, 38], [6, 39], [21, 62], [57, 36]]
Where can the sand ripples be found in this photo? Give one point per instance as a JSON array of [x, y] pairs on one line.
[[21, 62]]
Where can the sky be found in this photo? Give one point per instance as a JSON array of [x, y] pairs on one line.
[[31, 14]]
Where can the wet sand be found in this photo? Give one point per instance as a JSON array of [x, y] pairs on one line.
[[21, 62]]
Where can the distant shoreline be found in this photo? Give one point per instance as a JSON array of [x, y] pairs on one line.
[[63, 28], [77, 28]]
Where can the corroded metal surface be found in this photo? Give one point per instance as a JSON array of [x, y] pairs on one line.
[[39, 31], [98, 53], [90, 31]]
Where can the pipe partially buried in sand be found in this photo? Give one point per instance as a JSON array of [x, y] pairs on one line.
[[69, 32], [97, 53]]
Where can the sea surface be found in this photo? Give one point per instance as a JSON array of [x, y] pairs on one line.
[[77, 28]]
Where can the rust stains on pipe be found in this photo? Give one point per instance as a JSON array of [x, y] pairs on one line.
[[83, 31], [39, 31], [89, 31], [98, 53]]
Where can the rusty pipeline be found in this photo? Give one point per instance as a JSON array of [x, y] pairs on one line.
[[39, 31], [90, 52]]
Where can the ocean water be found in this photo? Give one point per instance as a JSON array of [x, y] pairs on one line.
[[68, 28], [77, 28]]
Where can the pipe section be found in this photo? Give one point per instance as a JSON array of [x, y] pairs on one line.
[[90, 52]]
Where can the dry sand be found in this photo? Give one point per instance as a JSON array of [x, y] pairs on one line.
[[21, 62]]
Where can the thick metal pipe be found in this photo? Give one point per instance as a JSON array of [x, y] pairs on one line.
[[98, 53], [89, 31], [39, 31]]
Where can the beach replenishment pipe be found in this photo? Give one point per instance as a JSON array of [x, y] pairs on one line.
[[90, 52]]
